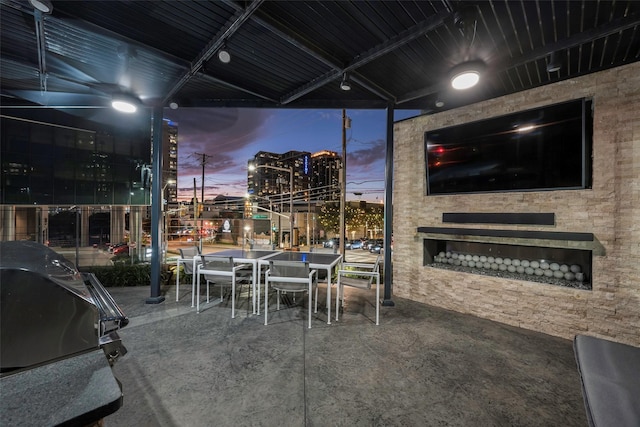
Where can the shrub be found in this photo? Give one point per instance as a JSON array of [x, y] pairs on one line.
[[120, 275]]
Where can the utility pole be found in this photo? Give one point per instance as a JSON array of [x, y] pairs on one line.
[[202, 162], [346, 124]]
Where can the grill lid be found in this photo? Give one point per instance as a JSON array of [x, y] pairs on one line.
[[50, 311]]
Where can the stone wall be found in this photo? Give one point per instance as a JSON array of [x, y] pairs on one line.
[[610, 210]]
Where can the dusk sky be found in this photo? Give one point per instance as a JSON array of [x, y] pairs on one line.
[[230, 137]]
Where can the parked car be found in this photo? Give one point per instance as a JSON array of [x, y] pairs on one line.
[[332, 243], [121, 249], [369, 244], [377, 247], [113, 247], [354, 244]]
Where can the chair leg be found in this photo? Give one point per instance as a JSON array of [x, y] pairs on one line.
[[338, 289], [178, 281], [310, 297], [378, 302], [316, 308], [266, 300], [207, 292], [278, 301], [233, 298]]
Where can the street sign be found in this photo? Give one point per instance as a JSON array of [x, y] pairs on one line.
[[260, 216]]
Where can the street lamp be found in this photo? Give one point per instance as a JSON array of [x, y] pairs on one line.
[[290, 170]]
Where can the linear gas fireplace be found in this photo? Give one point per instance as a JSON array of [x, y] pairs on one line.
[[508, 257]]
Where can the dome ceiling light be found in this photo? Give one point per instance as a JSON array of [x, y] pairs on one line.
[[224, 55], [125, 103], [466, 75], [44, 6]]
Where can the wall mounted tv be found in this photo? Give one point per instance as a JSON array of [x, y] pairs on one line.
[[547, 148]]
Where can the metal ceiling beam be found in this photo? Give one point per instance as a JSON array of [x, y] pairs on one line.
[[288, 38], [233, 25], [40, 40], [241, 89], [605, 30], [420, 93], [539, 53], [372, 54], [333, 64], [372, 87]]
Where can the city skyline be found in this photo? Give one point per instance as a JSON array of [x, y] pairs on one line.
[[230, 137]]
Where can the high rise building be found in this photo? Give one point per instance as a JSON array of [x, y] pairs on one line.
[[326, 175], [315, 176], [170, 160], [269, 175]]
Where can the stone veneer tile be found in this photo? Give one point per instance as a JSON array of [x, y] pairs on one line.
[[610, 210]]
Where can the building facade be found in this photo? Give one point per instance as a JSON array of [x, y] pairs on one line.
[[316, 177], [67, 180], [170, 160]]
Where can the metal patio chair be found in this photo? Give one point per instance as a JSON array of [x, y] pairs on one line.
[[359, 275], [187, 256], [222, 272], [290, 276]]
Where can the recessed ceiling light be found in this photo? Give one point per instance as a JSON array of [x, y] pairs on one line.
[[125, 103], [466, 75], [439, 103], [43, 6]]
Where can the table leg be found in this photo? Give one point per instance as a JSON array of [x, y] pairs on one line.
[[329, 295], [193, 283], [198, 291], [177, 279], [253, 289]]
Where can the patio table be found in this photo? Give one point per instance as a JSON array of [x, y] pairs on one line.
[[317, 261]]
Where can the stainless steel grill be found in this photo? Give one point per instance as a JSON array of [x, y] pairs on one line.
[[49, 311]]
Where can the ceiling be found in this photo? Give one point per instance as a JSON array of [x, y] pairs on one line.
[[294, 54]]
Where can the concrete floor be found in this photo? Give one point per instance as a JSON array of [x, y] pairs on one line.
[[423, 366]]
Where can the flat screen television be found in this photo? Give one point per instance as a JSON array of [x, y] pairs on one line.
[[547, 148]]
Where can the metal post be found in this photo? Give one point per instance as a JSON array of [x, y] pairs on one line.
[[156, 205], [343, 182], [388, 209], [291, 218]]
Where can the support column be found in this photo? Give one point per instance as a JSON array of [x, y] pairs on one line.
[[388, 210], [116, 230], [156, 206], [8, 222], [84, 225], [43, 229]]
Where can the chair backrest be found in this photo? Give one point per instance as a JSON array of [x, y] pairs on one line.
[[294, 269], [218, 263], [221, 264], [296, 272], [189, 253]]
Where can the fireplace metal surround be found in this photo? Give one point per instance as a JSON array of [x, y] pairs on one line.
[[554, 258]]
